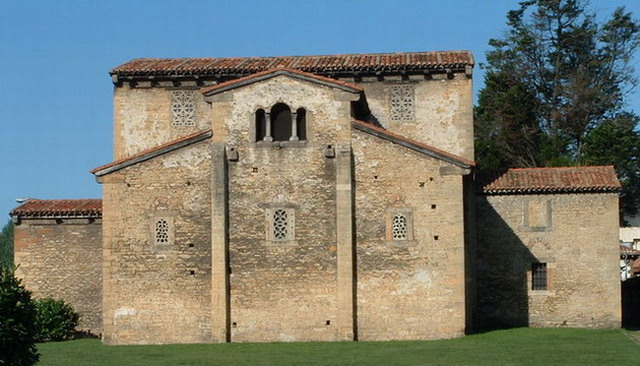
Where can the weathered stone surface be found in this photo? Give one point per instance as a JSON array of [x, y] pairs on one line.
[[150, 293], [412, 289], [343, 235], [578, 243], [61, 258]]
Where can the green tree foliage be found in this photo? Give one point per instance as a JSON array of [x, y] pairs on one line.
[[56, 320], [17, 322], [617, 141], [6, 246], [557, 77]]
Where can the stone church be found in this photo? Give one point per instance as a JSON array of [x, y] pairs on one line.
[[318, 198]]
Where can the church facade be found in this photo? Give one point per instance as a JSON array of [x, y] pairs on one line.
[[324, 198]]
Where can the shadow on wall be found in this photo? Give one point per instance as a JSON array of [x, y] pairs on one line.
[[631, 303], [502, 264]]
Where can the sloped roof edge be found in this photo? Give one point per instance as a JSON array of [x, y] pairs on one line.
[[324, 64], [548, 180], [59, 208], [152, 152], [268, 74], [413, 144]]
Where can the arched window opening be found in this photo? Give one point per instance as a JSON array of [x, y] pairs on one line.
[[281, 122], [301, 123], [261, 125]]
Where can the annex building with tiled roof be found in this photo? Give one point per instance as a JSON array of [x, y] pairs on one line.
[[318, 198]]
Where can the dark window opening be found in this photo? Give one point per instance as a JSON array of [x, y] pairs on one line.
[[281, 122], [301, 122], [261, 125], [538, 276]]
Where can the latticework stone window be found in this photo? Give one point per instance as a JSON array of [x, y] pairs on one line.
[[162, 231], [399, 227], [402, 103], [280, 224], [183, 109]]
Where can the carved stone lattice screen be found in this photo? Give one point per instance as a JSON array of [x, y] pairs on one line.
[[280, 225], [183, 109], [399, 227], [162, 231], [402, 103]]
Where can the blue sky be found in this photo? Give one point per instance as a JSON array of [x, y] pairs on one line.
[[56, 94]]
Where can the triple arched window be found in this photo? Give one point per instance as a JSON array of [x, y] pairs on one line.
[[280, 123]]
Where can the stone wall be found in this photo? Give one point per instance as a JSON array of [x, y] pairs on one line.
[[143, 117], [158, 291], [412, 288], [62, 258], [576, 236], [443, 110], [283, 290]]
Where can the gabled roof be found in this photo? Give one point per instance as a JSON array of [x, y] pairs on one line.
[[152, 152], [413, 144], [348, 63], [548, 180], [35, 208], [268, 74]]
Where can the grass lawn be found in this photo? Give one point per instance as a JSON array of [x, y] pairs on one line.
[[523, 346]]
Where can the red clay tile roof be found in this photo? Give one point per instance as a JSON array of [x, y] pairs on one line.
[[152, 152], [410, 61], [624, 250], [35, 208], [548, 180], [275, 72], [412, 144]]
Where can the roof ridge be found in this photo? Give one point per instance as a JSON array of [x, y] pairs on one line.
[[555, 167], [345, 63], [298, 56]]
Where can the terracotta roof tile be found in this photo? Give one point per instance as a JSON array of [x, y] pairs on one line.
[[548, 180], [316, 64], [35, 208], [276, 71]]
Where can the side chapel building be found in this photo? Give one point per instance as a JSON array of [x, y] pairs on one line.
[[318, 198]]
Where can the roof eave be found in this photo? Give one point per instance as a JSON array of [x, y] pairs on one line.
[[151, 153], [268, 74], [413, 145]]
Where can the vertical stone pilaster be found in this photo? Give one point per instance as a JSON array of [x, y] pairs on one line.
[[220, 300], [344, 227]]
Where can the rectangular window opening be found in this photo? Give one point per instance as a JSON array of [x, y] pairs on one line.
[[538, 276]]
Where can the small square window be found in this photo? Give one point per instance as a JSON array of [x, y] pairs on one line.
[[539, 276]]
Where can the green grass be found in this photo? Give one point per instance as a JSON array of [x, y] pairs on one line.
[[523, 346]]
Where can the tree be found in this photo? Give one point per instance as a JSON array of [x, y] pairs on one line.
[[6, 246], [617, 141], [17, 322], [556, 77]]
